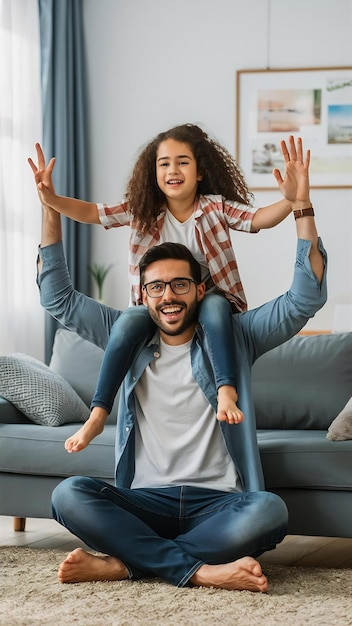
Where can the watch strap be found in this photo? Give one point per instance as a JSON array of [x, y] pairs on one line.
[[303, 213]]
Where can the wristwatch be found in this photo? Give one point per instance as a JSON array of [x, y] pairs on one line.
[[303, 213]]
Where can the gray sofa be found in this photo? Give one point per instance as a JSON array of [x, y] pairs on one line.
[[299, 388]]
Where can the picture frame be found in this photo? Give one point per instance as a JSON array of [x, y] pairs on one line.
[[312, 103]]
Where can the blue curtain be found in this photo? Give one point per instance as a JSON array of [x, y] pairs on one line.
[[63, 81]]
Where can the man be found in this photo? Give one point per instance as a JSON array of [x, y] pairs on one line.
[[188, 505]]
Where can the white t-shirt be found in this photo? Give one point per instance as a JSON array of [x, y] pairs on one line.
[[184, 232], [178, 438]]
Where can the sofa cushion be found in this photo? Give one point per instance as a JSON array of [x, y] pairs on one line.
[[9, 414], [78, 361], [304, 383], [42, 395], [33, 450], [300, 459], [340, 428]]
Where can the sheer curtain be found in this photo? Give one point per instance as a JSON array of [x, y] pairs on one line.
[[21, 316]]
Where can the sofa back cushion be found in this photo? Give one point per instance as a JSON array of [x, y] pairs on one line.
[[304, 383], [78, 361]]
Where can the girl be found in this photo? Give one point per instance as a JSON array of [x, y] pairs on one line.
[[186, 188]]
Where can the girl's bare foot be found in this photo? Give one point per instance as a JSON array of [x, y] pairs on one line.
[[228, 410], [242, 575], [81, 566], [90, 429], [78, 441]]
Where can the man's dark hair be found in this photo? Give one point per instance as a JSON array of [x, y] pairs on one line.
[[170, 250]]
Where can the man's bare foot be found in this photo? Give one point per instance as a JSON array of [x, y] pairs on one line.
[[228, 410], [242, 575], [81, 566]]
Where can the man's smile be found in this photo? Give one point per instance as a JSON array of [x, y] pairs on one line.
[[171, 311]]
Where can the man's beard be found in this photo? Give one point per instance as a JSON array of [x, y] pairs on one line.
[[190, 319]]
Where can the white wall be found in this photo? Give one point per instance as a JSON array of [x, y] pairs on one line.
[[155, 63]]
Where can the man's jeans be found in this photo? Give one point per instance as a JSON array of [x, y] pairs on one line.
[[169, 532]]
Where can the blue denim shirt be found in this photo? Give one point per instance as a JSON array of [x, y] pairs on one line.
[[256, 331]]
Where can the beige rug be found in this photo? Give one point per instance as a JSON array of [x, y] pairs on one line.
[[30, 594]]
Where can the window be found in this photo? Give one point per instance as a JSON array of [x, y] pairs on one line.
[[21, 316]]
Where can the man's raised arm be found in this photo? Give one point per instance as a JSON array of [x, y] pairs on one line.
[[274, 322], [51, 227], [295, 187], [74, 310]]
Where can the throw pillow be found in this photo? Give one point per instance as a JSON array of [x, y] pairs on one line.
[[341, 428], [42, 395]]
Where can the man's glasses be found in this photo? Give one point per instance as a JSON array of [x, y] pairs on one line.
[[180, 286]]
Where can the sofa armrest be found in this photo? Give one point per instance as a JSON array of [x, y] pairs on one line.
[[10, 415]]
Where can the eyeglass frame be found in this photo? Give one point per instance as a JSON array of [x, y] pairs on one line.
[[168, 282]]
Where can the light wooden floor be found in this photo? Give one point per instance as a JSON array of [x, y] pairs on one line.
[[294, 550]]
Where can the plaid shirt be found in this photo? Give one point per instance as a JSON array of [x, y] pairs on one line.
[[213, 217]]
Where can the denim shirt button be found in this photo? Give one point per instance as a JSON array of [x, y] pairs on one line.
[[156, 354], [127, 429]]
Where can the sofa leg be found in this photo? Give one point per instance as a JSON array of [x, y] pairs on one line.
[[19, 523]]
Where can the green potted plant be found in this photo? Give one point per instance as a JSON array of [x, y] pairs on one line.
[[99, 271]]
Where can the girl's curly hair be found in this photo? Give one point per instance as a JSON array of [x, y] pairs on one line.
[[220, 174]]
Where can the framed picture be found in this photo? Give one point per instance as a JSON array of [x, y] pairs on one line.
[[313, 103]]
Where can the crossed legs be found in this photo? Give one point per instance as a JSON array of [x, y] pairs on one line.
[[185, 535]]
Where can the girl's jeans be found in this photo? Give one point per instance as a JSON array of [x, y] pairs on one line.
[[135, 324], [169, 532]]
